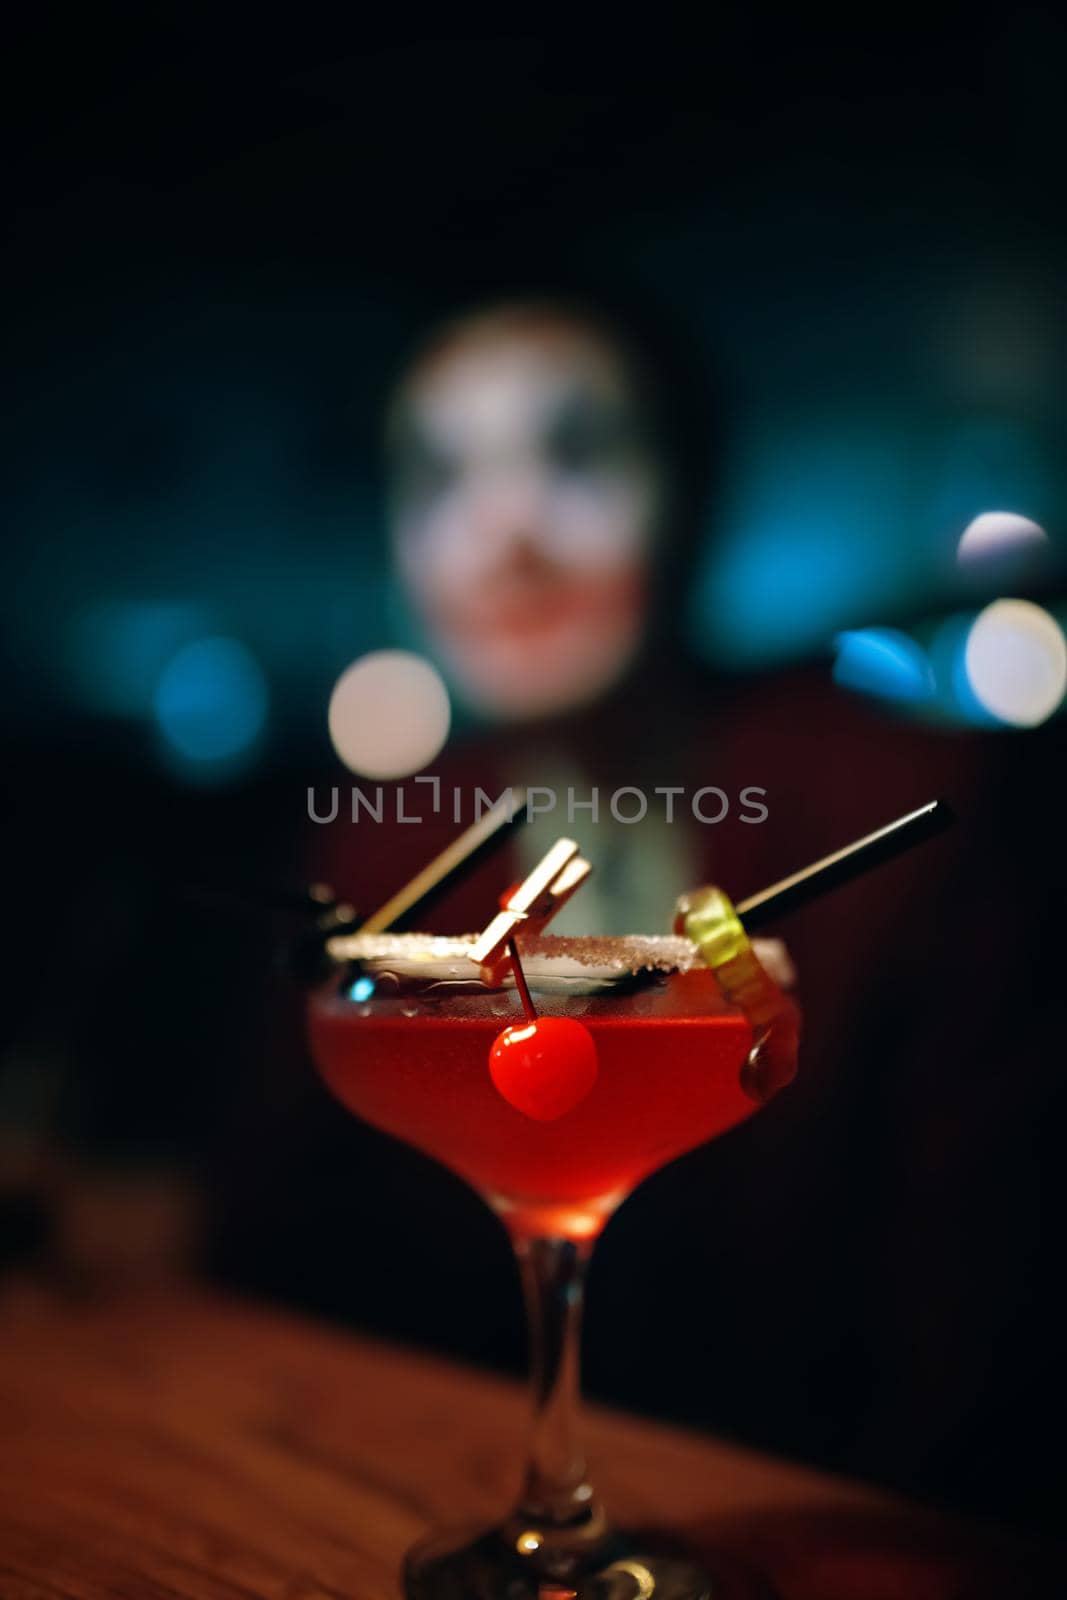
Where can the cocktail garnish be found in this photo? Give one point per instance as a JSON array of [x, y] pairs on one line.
[[455, 860], [709, 919], [544, 1066], [842, 865], [460, 855], [520, 981], [316, 950], [713, 923], [532, 902]]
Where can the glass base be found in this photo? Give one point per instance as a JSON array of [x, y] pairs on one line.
[[466, 1564]]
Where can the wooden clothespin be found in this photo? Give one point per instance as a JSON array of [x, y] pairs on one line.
[[529, 905]]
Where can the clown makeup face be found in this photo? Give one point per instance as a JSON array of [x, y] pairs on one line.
[[525, 498]]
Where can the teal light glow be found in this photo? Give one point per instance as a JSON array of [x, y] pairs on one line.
[[815, 534], [117, 650], [211, 703], [362, 989], [989, 462], [883, 662]]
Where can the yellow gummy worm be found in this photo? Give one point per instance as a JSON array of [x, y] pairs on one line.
[[710, 921], [707, 917]]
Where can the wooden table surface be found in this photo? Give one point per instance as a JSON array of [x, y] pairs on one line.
[[190, 1447]]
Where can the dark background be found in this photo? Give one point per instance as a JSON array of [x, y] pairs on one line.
[[222, 235]]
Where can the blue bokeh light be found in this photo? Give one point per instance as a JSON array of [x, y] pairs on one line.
[[883, 662], [211, 703]]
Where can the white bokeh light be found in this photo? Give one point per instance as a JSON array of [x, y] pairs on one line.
[[1016, 661], [999, 533], [389, 714]]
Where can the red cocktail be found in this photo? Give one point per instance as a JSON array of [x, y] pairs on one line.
[[407, 1050], [405, 1042], [554, 1102]]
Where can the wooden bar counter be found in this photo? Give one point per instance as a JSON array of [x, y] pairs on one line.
[[183, 1447]]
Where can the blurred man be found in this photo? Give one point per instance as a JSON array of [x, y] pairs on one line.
[[528, 501], [547, 470]]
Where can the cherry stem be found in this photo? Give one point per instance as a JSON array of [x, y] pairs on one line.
[[520, 982]]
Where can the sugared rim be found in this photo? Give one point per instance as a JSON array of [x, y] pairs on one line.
[[589, 955]]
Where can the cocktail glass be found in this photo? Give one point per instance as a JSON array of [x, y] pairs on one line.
[[404, 1043]]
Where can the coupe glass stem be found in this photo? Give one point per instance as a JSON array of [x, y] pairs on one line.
[[553, 1277]]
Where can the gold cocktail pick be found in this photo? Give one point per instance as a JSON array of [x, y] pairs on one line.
[[461, 853]]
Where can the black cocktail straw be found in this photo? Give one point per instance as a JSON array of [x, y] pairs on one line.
[[454, 861], [833, 870]]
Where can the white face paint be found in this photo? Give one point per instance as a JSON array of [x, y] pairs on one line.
[[524, 504]]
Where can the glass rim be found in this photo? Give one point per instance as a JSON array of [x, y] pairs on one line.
[[608, 956]]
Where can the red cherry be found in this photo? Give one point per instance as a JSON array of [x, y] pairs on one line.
[[544, 1067]]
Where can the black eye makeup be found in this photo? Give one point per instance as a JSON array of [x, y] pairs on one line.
[[419, 471], [584, 434]]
